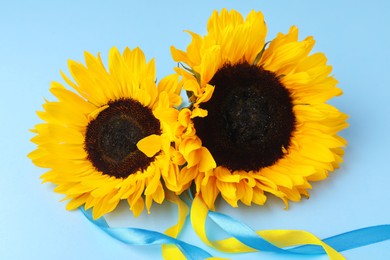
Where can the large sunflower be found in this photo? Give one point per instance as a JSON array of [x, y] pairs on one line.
[[113, 140], [258, 121]]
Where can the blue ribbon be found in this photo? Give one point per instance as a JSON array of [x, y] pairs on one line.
[[137, 236], [243, 233], [352, 239], [341, 242]]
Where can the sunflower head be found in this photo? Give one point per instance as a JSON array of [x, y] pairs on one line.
[[258, 122], [111, 140]]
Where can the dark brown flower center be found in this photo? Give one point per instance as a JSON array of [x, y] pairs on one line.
[[250, 118], [111, 138]]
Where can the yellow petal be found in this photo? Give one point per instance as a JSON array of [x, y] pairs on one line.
[[179, 55], [224, 175], [137, 207], [207, 162], [159, 194], [228, 190], [168, 115], [96, 112], [153, 183], [210, 192], [199, 112], [77, 202], [150, 145], [210, 63], [208, 92]]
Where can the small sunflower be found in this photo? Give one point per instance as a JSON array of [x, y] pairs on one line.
[[113, 140], [258, 122]]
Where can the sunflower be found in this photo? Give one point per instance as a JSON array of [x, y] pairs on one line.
[[258, 123], [112, 140]]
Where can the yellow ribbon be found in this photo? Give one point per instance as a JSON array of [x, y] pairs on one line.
[[280, 238], [172, 251]]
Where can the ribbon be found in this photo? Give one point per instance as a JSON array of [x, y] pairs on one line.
[[244, 239], [352, 239], [174, 231], [270, 240], [172, 248]]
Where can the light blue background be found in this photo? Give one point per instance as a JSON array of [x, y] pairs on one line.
[[37, 39]]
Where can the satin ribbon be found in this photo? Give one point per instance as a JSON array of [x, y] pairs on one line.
[[350, 240], [244, 239], [172, 248]]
